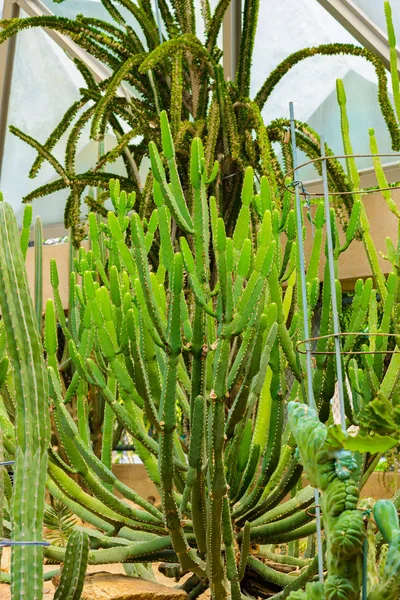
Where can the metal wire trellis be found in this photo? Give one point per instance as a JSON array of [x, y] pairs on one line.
[[306, 330], [300, 190], [344, 334]]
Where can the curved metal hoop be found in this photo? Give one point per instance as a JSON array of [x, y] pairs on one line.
[[348, 333], [309, 508], [361, 192]]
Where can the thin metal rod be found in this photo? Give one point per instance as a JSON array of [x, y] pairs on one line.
[[331, 264], [6, 543], [324, 158], [346, 334], [306, 329], [365, 569], [362, 192], [299, 221]]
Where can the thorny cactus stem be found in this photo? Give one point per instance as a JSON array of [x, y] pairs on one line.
[[32, 425]]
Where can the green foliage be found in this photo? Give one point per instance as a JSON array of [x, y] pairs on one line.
[[183, 77], [193, 324], [32, 423], [59, 522]]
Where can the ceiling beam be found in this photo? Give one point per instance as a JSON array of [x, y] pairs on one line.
[[7, 53], [231, 36], [361, 27], [36, 8]]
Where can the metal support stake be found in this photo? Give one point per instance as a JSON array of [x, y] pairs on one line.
[[311, 400], [365, 570], [336, 328]]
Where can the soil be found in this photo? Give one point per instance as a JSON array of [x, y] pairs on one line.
[[113, 568]]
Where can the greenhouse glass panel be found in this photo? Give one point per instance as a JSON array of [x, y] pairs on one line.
[[374, 11], [288, 26], [45, 83]]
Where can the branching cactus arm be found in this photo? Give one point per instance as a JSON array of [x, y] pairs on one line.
[[386, 517]]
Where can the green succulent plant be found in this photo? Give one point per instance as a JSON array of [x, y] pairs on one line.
[[173, 70], [198, 321], [30, 413], [336, 472]]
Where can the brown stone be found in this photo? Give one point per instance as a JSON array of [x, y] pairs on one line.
[[5, 592], [110, 586]]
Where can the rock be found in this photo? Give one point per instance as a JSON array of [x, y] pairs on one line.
[[108, 586], [5, 593]]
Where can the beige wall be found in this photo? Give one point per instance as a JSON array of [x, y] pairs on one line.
[[60, 252], [353, 263], [135, 477]]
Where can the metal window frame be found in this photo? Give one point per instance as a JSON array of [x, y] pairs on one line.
[[365, 31], [231, 35], [11, 10]]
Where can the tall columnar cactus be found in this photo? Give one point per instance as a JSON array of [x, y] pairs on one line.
[[174, 70], [32, 423], [39, 271]]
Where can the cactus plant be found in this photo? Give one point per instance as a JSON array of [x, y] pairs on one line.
[[198, 325], [336, 472], [74, 569], [148, 348], [39, 271], [171, 69], [387, 519], [32, 423]]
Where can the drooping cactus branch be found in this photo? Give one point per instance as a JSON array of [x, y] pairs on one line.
[[182, 76]]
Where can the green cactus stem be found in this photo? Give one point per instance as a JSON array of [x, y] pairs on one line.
[[74, 568], [32, 413]]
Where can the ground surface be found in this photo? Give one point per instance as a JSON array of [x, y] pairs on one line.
[[49, 588]]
